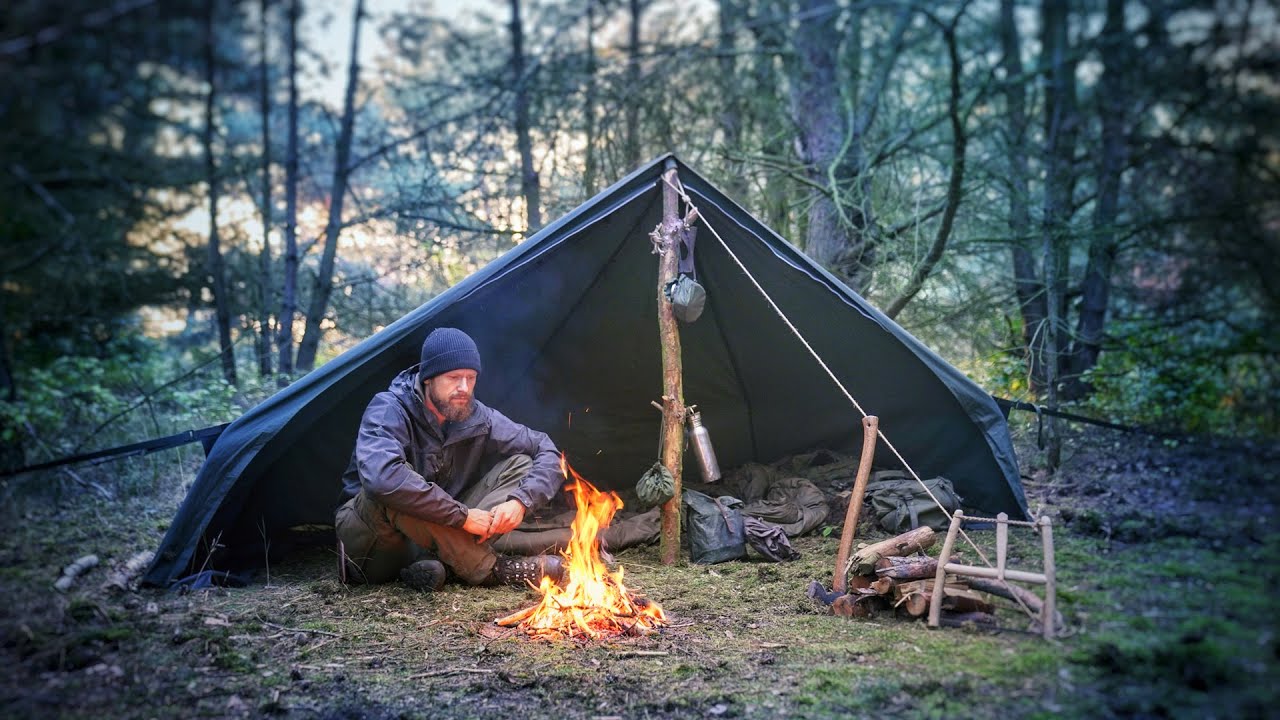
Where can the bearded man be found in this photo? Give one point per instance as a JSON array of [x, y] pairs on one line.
[[436, 474]]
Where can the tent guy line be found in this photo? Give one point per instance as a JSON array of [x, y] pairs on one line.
[[803, 341], [205, 435], [679, 189]]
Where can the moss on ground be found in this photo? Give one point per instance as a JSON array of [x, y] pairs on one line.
[[1168, 600]]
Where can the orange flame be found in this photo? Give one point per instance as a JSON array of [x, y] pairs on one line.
[[593, 602]]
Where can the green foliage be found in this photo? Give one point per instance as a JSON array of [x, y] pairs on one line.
[[78, 404], [1208, 378], [1201, 382], [1006, 375]]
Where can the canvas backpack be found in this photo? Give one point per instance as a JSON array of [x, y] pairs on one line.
[[899, 504]]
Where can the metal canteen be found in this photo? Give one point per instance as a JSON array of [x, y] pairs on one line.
[[700, 439]]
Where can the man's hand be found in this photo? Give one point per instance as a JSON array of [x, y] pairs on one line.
[[479, 523], [507, 517]]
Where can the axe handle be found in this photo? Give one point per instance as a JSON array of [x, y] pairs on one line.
[[870, 431]]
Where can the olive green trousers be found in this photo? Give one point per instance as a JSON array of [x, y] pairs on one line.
[[378, 542]]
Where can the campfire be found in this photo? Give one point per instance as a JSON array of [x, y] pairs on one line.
[[593, 602]]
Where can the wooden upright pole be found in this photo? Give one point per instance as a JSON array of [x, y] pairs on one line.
[[673, 410]]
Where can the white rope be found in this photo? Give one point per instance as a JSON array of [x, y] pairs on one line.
[[679, 188], [1006, 521]]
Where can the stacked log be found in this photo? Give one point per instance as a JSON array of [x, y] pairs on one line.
[[895, 574]]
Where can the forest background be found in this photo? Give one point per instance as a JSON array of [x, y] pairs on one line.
[[1078, 203]]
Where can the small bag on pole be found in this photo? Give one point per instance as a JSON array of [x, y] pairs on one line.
[[655, 487], [687, 298]]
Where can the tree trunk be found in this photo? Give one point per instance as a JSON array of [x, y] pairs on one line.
[[589, 161], [841, 224], [633, 99], [1027, 287], [768, 27], [216, 274], [1096, 287], [528, 174], [12, 453], [323, 286], [1059, 191], [289, 283], [827, 150], [264, 258], [731, 120]]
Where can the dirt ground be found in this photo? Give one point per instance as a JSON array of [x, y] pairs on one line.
[[1168, 558]]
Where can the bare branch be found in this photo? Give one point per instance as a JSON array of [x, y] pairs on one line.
[[44, 36], [955, 189]]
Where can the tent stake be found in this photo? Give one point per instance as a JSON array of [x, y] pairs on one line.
[[673, 410]]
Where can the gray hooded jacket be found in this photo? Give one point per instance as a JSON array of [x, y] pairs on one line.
[[407, 461]]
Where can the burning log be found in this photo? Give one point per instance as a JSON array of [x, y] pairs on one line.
[[593, 602], [517, 617]]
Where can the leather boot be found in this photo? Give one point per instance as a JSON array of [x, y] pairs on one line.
[[424, 575], [522, 571]]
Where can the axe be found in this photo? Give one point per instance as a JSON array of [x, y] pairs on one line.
[[870, 431]]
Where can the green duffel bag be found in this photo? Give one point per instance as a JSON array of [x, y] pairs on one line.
[[899, 504], [714, 527]]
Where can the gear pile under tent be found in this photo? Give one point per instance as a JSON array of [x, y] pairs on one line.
[[567, 323]]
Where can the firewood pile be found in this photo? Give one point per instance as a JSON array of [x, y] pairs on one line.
[[896, 575]]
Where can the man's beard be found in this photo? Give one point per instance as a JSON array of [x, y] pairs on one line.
[[451, 411]]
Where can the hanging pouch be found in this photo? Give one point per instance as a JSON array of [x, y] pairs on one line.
[[714, 527], [656, 486], [687, 298]]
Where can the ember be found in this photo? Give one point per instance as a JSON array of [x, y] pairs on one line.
[[593, 602]]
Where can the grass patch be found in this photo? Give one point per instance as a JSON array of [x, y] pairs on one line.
[[1168, 617]]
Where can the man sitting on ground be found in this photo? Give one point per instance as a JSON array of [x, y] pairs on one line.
[[436, 471]]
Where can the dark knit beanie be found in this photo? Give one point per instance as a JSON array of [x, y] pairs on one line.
[[447, 349]]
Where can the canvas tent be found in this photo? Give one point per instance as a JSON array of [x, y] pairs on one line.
[[567, 324]]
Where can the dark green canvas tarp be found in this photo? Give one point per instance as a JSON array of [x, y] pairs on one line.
[[567, 325]]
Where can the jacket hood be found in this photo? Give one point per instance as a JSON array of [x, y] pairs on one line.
[[406, 388]]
